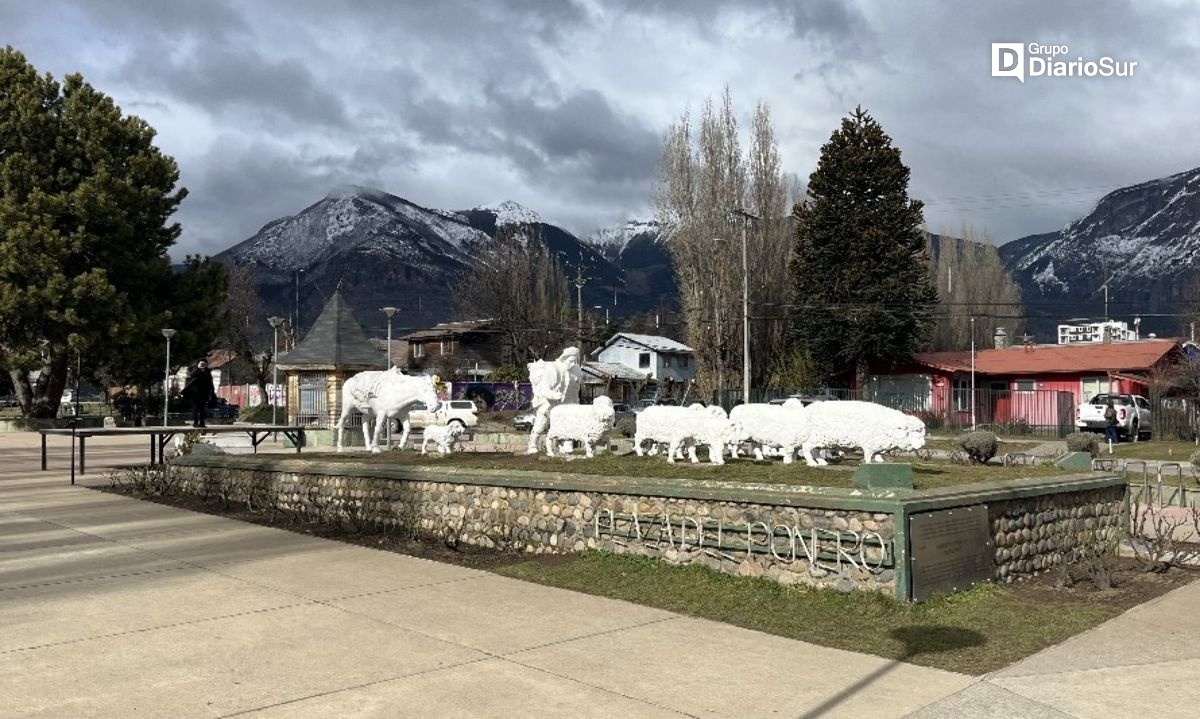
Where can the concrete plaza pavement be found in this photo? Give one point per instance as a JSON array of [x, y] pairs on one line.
[[114, 607]]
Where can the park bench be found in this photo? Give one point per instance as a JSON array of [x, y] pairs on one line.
[[160, 436]]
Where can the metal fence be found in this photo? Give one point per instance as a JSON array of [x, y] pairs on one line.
[[1174, 417], [1033, 413], [312, 410]]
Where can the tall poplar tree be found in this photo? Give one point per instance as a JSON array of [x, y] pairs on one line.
[[861, 290], [85, 197]]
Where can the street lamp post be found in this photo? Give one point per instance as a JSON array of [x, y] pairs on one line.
[[168, 333], [275, 322], [389, 312]]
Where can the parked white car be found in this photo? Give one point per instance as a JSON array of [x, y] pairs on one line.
[[1133, 415], [456, 411]]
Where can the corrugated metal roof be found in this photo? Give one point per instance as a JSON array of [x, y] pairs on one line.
[[450, 329], [613, 370], [654, 342], [1050, 359], [335, 340]]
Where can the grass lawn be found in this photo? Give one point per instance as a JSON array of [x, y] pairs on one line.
[[974, 632], [1164, 451], [927, 474]]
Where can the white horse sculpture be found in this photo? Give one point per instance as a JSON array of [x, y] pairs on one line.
[[382, 396]]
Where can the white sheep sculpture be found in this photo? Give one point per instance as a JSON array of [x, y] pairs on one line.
[[583, 423], [677, 427], [873, 427], [774, 429], [444, 436]]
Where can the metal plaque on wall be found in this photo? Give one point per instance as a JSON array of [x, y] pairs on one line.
[[951, 550]]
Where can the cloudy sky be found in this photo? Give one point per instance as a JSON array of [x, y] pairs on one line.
[[561, 104]]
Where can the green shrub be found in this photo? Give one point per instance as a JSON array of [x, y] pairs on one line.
[[261, 414], [1084, 442], [626, 426], [1195, 459], [979, 445]]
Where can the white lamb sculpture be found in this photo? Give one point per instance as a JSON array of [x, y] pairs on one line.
[[583, 423], [772, 428], [677, 427], [443, 436], [874, 428]]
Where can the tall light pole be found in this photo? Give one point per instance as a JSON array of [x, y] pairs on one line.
[[746, 216], [972, 398], [296, 323], [274, 322], [168, 333], [389, 312]]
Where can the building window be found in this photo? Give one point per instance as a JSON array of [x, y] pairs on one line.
[[1025, 385], [666, 360], [418, 349], [962, 395], [683, 361], [644, 360]]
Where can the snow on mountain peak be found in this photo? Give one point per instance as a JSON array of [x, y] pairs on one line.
[[511, 213], [614, 239]]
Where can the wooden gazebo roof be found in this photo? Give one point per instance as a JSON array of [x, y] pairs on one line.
[[335, 342]]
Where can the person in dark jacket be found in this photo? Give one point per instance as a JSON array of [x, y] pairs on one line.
[[199, 391], [1110, 424]]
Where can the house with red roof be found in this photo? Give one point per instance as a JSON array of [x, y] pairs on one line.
[[1035, 385]]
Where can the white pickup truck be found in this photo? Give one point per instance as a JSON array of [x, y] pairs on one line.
[[1133, 415], [461, 411]]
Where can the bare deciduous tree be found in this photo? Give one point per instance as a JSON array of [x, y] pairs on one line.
[[702, 177], [525, 291], [972, 281], [245, 330]]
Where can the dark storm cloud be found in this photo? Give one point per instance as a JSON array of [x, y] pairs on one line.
[[562, 104], [237, 81]]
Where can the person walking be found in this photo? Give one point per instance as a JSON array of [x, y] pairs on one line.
[[1110, 425], [199, 391]]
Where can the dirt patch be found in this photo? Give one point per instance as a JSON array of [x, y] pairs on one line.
[[1131, 586]]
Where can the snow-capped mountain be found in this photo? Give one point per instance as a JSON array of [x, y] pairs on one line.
[[511, 213], [360, 219], [380, 249], [612, 241], [1144, 240]]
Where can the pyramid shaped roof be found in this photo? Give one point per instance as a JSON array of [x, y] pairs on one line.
[[336, 341]]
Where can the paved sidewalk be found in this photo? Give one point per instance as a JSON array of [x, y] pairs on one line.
[[114, 607], [1145, 662]]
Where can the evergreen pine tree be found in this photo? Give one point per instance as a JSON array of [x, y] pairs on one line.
[[860, 277], [85, 199]]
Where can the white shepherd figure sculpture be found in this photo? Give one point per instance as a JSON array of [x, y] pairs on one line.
[[553, 383], [382, 396]]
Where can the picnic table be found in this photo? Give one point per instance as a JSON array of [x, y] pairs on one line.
[[159, 436]]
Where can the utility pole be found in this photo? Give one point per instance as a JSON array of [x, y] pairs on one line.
[[972, 398], [746, 218], [580, 281]]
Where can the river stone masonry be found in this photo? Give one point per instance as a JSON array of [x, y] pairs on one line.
[[832, 537], [1037, 534], [537, 520]]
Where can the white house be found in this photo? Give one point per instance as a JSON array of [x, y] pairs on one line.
[[660, 358]]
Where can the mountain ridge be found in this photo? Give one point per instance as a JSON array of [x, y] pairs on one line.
[[1141, 241]]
